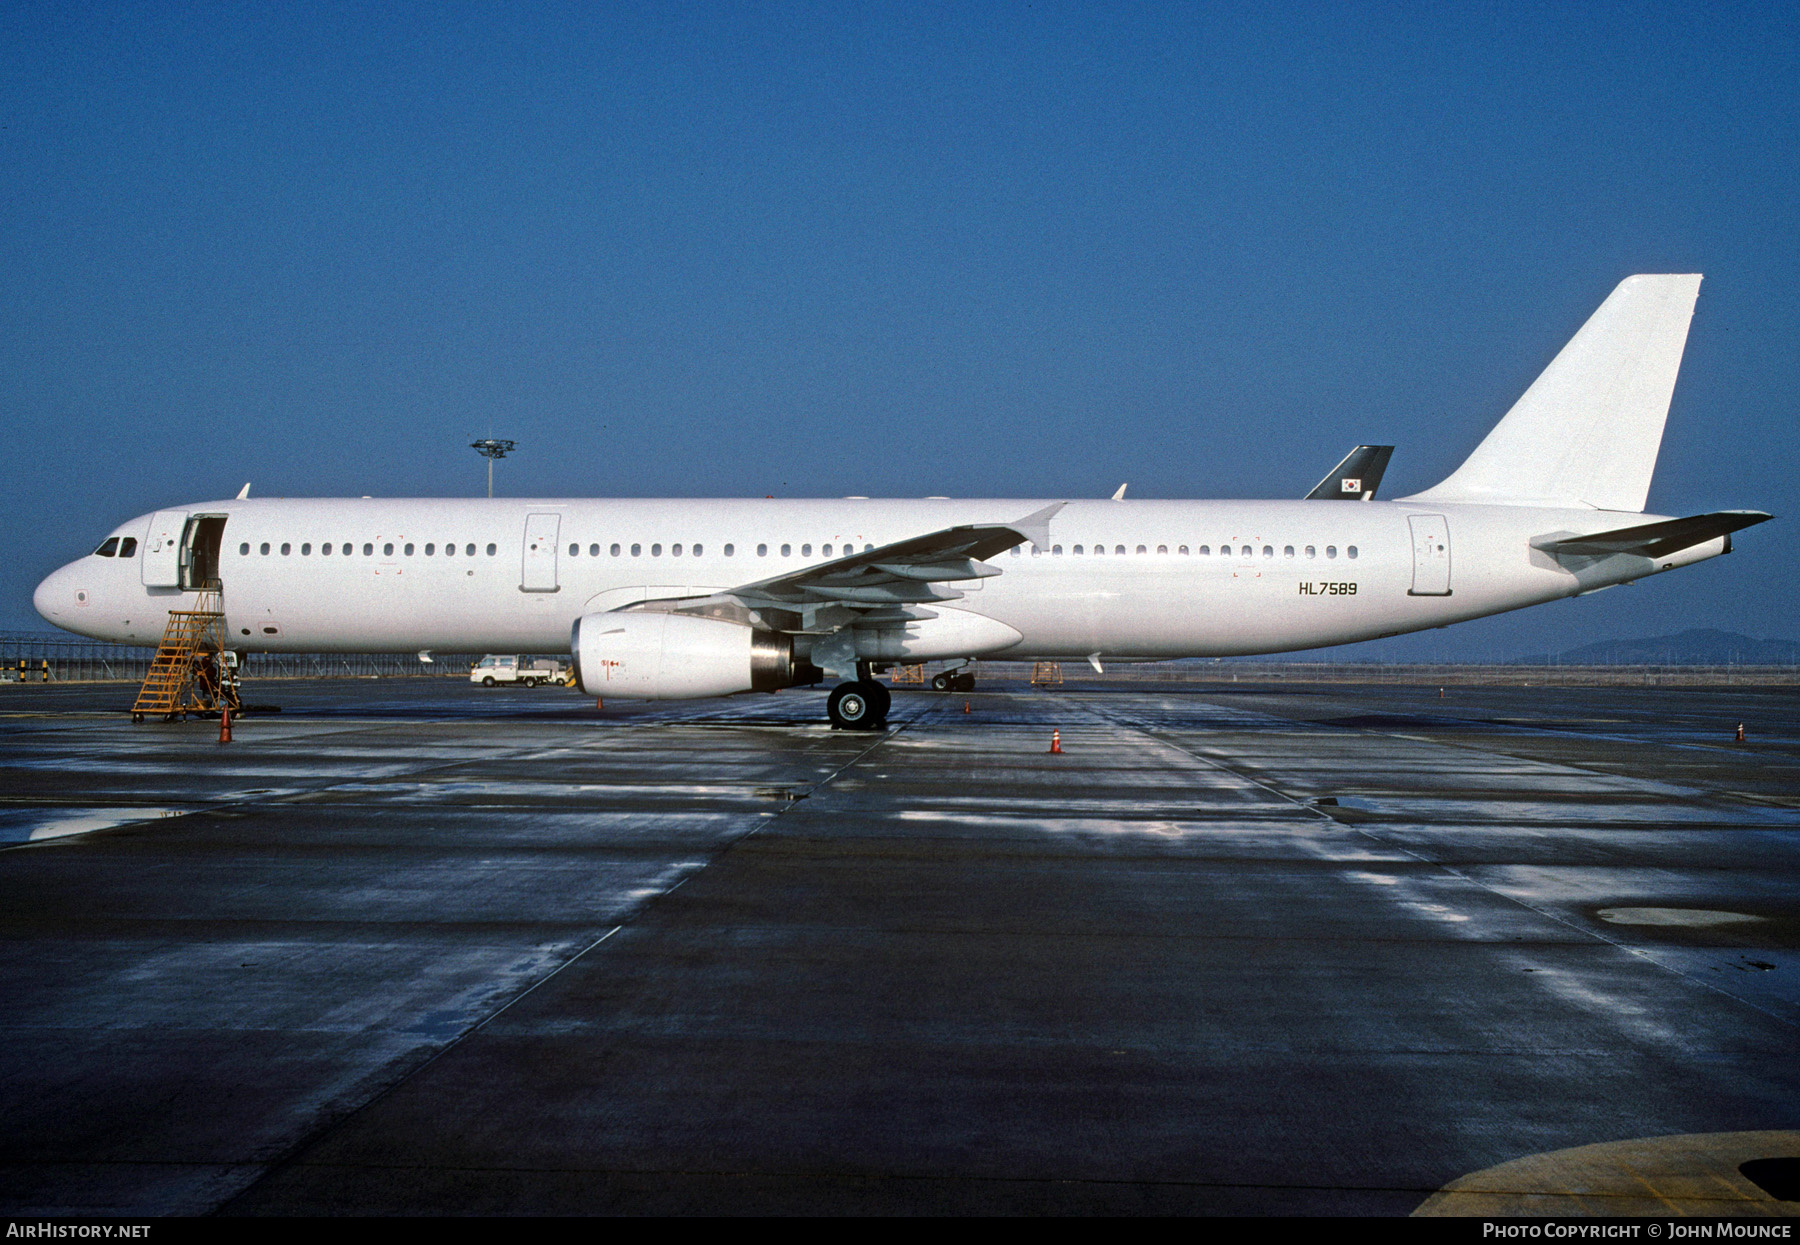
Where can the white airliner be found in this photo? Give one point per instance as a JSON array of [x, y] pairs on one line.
[[673, 599]]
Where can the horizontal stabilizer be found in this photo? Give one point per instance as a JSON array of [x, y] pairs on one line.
[[1656, 540], [1356, 478]]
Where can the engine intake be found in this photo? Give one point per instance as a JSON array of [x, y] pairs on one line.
[[657, 656]]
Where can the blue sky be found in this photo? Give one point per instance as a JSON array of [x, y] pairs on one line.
[[914, 249]]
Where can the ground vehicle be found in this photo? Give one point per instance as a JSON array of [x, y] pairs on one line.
[[521, 669]]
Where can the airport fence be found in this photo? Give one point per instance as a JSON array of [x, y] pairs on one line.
[[33, 657]]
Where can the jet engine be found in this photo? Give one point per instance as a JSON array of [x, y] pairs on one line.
[[656, 656]]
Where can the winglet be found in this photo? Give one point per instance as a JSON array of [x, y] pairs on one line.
[[1035, 527], [1120, 495], [244, 492]]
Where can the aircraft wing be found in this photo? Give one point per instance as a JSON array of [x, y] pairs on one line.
[[1356, 478], [876, 585], [1655, 540], [907, 571]]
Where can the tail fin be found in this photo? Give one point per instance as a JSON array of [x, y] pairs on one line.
[[1356, 478], [1587, 432]]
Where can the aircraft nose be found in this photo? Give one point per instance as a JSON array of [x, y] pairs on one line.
[[53, 600]]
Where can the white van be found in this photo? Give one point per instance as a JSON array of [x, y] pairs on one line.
[[491, 671]]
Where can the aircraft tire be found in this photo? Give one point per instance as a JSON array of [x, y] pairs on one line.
[[882, 698], [852, 707], [940, 682]]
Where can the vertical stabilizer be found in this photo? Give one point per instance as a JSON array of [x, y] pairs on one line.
[[1588, 430]]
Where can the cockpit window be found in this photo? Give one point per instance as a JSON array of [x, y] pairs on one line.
[[108, 547], [128, 547]]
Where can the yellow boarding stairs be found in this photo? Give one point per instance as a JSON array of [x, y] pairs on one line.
[[187, 674]]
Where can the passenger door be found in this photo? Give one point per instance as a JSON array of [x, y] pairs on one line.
[[539, 572], [161, 565], [1431, 555]]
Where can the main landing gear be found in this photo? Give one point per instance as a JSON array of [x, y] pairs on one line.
[[858, 706]]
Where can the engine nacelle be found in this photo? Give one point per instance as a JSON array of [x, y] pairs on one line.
[[654, 656]]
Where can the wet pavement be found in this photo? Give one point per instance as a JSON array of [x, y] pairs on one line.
[[413, 947]]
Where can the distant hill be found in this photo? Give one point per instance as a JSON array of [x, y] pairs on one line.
[[1706, 646]]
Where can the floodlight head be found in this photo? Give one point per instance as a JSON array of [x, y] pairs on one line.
[[490, 448]]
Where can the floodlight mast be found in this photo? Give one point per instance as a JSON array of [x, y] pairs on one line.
[[491, 449]]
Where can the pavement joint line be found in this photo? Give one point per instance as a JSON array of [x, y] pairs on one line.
[[317, 1134], [1643, 954]]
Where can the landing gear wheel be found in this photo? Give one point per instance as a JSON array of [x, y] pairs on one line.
[[853, 707], [963, 683], [882, 699], [940, 682]]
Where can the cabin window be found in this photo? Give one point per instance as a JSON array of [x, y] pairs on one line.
[[1182, 550], [656, 550], [615, 551], [866, 549], [762, 551], [387, 549], [492, 550], [730, 550], [1351, 551], [696, 551], [1141, 549], [306, 550], [1331, 551], [1017, 551], [1118, 551], [244, 549], [449, 551], [806, 551], [128, 547], [469, 549], [1311, 552], [1056, 551], [409, 549], [1036, 552], [1162, 548], [593, 551], [574, 550], [1268, 551], [1076, 551], [264, 549], [637, 551], [826, 551], [286, 549], [787, 551], [1287, 551], [1205, 551], [1099, 551], [368, 550], [675, 551]]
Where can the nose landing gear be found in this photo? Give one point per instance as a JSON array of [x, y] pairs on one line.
[[858, 706]]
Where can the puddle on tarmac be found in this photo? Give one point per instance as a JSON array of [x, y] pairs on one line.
[[1687, 918], [31, 825]]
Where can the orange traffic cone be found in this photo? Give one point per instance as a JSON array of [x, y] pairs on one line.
[[1056, 741], [225, 725], [966, 706], [1740, 734], [599, 702]]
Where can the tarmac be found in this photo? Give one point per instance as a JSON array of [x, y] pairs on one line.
[[412, 947]]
